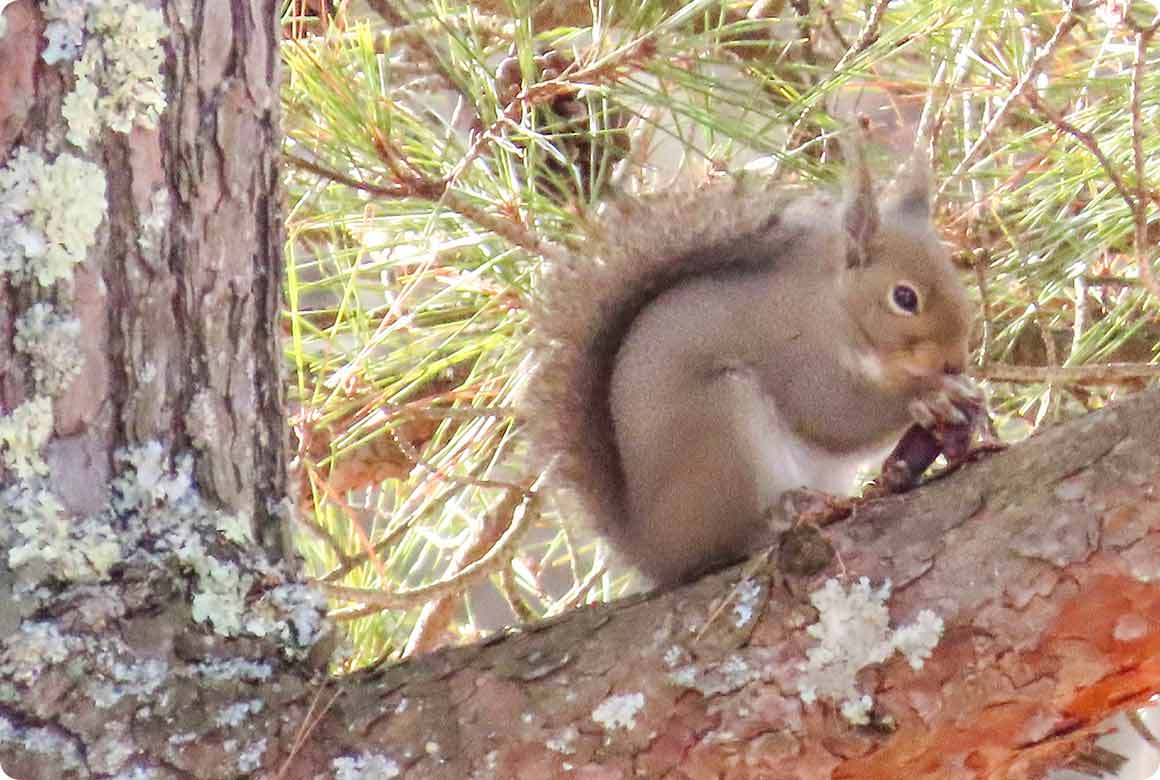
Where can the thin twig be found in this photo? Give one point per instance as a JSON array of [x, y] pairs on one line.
[[869, 36], [412, 452], [309, 723], [982, 260], [1137, 722], [436, 614], [1140, 211], [408, 598], [866, 39], [1088, 141], [1107, 374], [435, 191], [832, 24], [1079, 322], [1046, 52]]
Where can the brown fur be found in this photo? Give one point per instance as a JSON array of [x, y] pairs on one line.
[[701, 332]]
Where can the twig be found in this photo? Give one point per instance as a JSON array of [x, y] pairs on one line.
[[1050, 398], [1107, 374], [866, 39], [1079, 322], [437, 613], [408, 598], [309, 723], [1142, 729], [828, 15], [1140, 210], [417, 458], [1087, 140], [802, 9], [437, 191], [980, 266], [1046, 51]]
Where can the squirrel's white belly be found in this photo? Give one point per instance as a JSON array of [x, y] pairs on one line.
[[784, 459]]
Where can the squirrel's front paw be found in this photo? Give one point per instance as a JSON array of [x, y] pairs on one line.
[[946, 422], [956, 403]]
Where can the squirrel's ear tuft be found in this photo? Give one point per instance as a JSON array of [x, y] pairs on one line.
[[912, 188], [860, 213]]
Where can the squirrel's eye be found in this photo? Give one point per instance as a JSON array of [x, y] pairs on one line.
[[904, 299]]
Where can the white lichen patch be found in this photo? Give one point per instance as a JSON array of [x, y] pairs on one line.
[[853, 631], [36, 646], [1130, 627], [730, 675], [118, 76], [564, 742], [231, 669], [368, 766], [250, 757], [140, 773], [23, 434], [618, 711], [64, 31], [43, 741], [49, 215], [4, 31], [153, 222], [238, 713], [51, 344], [748, 594], [138, 678]]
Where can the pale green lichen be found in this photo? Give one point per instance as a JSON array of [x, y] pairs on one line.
[[222, 590], [23, 433], [49, 215], [51, 344], [229, 669], [162, 494], [118, 76], [70, 550], [238, 713]]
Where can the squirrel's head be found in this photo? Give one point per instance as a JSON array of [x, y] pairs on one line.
[[907, 304]]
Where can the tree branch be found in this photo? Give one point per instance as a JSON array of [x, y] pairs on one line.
[[1042, 562]]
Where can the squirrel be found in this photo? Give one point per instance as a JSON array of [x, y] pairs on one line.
[[712, 350]]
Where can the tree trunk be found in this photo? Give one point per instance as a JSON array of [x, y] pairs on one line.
[[152, 630]]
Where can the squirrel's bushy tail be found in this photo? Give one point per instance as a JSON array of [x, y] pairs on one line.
[[586, 303]]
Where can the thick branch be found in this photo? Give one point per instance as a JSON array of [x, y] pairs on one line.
[[1039, 560]]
